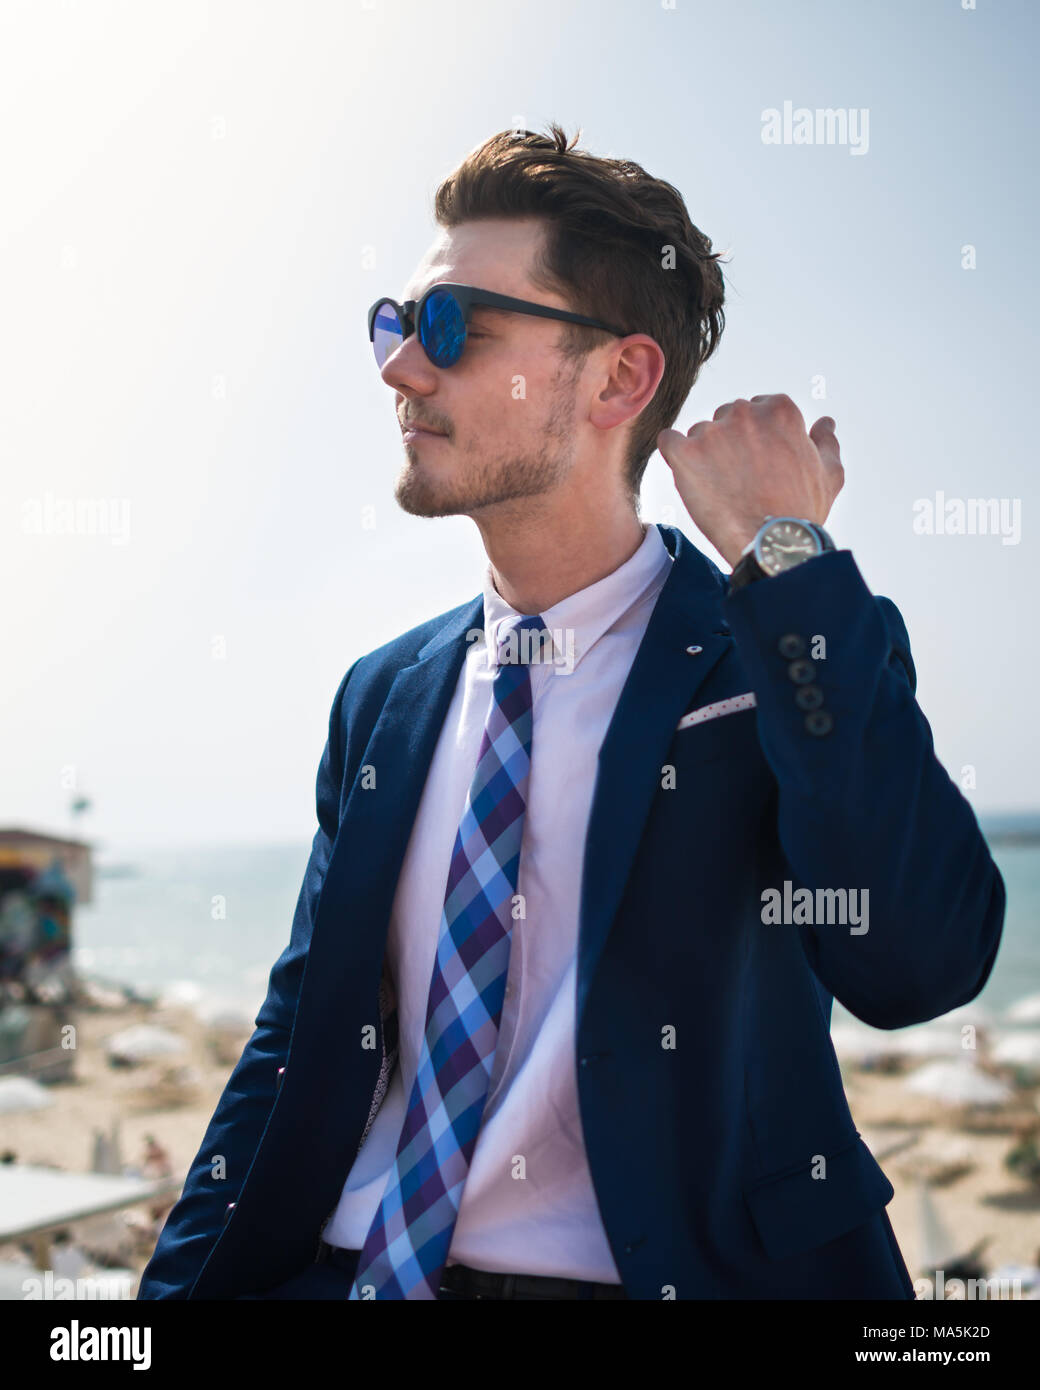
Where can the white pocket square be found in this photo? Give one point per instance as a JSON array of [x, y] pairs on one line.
[[730, 706]]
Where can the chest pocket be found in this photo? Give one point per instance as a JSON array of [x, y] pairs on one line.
[[726, 735]]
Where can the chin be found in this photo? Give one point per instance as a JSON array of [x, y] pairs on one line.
[[419, 497]]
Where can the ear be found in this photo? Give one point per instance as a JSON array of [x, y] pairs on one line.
[[637, 366]]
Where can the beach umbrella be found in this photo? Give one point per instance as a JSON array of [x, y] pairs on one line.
[[180, 994], [144, 1043], [1026, 1010], [22, 1093], [1018, 1049], [958, 1083]]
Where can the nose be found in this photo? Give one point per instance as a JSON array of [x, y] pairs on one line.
[[408, 366]]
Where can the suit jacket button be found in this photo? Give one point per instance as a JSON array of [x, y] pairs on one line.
[[819, 722], [791, 645], [801, 672]]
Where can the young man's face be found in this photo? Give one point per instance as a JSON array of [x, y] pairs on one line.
[[508, 407]]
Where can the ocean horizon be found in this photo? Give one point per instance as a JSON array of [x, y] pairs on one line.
[[204, 924]]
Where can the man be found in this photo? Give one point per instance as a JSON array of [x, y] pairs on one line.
[[597, 848]]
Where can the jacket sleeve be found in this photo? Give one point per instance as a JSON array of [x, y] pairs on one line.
[[219, 1169], [862, 801]]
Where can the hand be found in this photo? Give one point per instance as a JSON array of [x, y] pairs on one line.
[[753, 459]]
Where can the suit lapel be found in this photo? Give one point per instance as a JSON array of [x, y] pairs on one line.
[[401, 746], [377, 821], [661, 685]]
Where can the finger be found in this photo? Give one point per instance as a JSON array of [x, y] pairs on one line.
[[667, 439], [672, 444], [826, 441], [725, 409], [672, 440]]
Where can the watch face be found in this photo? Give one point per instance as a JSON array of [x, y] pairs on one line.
[[785, 542]]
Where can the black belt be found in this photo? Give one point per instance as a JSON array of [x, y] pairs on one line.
[[482, 1283]]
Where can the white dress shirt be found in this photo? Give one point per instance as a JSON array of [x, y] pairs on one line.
[[528, 1205]]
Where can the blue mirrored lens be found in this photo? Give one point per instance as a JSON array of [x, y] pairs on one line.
[[442, 328], [387, 332]]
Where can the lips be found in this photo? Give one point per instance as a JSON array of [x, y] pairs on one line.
[[412, 424], [410, 427]]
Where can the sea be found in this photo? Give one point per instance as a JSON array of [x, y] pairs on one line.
[[203, 926]]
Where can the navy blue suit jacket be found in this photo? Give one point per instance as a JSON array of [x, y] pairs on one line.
[[705, 1155]]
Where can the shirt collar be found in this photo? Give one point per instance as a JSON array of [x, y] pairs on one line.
[[590, 612]]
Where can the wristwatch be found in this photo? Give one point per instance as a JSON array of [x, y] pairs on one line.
[[780, 543]]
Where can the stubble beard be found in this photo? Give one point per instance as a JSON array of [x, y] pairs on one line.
[[486, 481]]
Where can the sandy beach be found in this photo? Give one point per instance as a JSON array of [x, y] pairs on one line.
[[973, 1192], [976, 1197]]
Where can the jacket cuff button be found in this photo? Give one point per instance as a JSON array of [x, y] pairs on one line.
[[808, 697], [819, 723], [801, 672], [791, 645]]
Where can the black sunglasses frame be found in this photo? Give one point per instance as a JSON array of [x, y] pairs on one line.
[[469, 296]]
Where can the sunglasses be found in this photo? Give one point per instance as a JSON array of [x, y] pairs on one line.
[[442, 315]]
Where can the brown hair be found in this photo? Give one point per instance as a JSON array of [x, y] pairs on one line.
[[620, 247]]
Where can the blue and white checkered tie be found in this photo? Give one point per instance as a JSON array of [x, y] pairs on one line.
[[407, 1246]]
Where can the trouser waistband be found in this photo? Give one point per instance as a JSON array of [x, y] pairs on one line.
[[482, 1283]]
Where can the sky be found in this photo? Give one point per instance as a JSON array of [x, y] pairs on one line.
[[201, 201]]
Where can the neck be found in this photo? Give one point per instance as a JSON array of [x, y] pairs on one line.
[[542, 557]]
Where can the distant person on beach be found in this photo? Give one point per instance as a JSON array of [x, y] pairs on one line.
[[597, 848], [156, 1162]]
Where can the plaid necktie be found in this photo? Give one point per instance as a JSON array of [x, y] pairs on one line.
[[407, 1245]]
